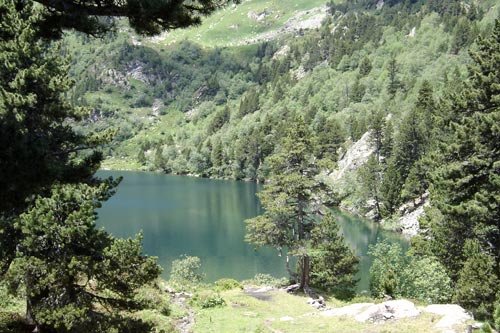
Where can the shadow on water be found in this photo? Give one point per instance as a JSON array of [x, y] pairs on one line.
[[204, 218]]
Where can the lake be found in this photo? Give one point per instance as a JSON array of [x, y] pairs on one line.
[[203, 217]]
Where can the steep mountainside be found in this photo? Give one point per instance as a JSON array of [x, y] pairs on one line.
[[213, 100]]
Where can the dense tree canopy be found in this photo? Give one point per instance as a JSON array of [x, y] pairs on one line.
[[466, 188], [37, 144]]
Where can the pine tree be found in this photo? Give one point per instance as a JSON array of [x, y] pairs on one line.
[[377, 127], [333, 263], [288, 199], [72, 270], [329, 136], [37, 144], [370, 175], [365, 67], [467, 187], [477, 283], [394, 83]]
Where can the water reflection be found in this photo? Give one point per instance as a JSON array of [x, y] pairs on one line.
[[204, 218]]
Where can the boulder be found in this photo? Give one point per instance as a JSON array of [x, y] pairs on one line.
[[397, 309], [452, 314]]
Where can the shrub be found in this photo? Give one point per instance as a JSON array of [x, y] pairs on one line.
[[426, 279], [398, 275], [186, 271], [386, 269], [227, 284], [152, 298], [208, 299]]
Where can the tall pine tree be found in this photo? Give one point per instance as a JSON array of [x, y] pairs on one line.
[[291, 200], [467, 187]]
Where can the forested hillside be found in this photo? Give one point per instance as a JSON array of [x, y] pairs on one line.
[[219, 111]]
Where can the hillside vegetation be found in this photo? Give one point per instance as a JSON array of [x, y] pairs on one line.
[[187, 108]]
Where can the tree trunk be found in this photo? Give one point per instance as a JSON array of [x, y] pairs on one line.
[[30, 318], [305, 273], [377, 206], [304, 260]]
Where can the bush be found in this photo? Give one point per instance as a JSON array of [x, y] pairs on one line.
[[386, 269], [152, 298], [398, 275], [426, 279], [186, 271], [227, 284], [268, 280], [208, 299]]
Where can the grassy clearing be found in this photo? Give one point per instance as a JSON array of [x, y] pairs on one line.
[[231, 25], [273, 311], [244, 313]]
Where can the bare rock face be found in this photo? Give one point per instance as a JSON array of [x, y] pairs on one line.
[[354, 157], [409, 222]]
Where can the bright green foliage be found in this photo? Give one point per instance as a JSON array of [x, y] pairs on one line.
[[207, 299], [261, 279], [395, 274], [227, 284], [71, 270], [186, 271], [424, 278], [333, 263], [385, 272]]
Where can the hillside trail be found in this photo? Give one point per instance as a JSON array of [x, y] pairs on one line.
[[184, 324]]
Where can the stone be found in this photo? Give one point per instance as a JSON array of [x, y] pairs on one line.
[[286, 318], [398, 309], [452, 315]]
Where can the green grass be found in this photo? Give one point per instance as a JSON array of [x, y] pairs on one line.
[[233, 24], [244, 313]]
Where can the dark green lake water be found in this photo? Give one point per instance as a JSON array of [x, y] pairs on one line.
[[204, 218]]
